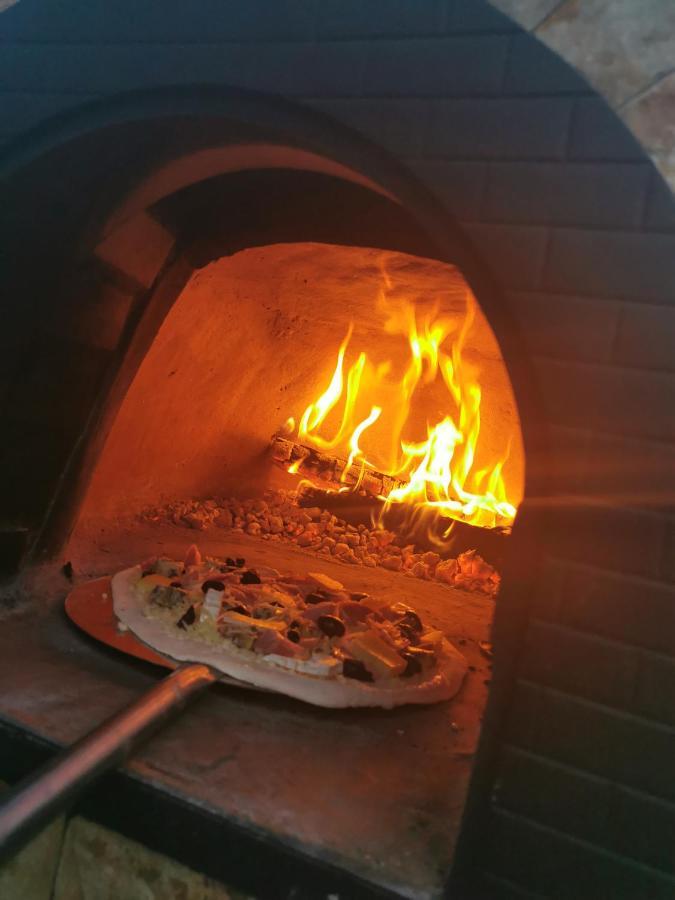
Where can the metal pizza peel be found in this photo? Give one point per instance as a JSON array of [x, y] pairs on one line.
[[33, 802]]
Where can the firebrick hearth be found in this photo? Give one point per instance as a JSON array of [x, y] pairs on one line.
[[381, 292]]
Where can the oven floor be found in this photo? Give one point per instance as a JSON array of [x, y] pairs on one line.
[[379, 793]]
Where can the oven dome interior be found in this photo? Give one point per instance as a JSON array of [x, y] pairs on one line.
[[251, 340]]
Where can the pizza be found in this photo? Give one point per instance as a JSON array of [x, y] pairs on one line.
[[306, 636]]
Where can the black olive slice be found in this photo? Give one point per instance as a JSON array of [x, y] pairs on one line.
[[249, 578], [354, 668], [413, 666], [188, 617], [293, 635], [213, 584], [240, 562], [412, 620], [230, 562], [331, 626], [314, 598], [408, 632]]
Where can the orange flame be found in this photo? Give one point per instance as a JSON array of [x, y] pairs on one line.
[[438, 472]]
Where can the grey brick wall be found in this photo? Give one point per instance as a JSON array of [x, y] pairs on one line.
[[578, 230]]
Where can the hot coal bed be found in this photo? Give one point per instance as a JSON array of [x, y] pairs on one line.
[[184, 266]]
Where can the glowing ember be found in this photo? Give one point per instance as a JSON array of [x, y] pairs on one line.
[[369, 408]]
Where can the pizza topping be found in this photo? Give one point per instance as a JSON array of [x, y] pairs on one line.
[[193, 557], [188, 618], [411, 621], [331, 626], [309, 624], [354, 613], [432, 639], [230, 619], [325, 608], [417, 660], [250, 578], [412, 667], [168, 567], [148, 583], [167, 596], [213, 584], [273, 642], [376, 654], [354, 668], [148, 565], [325, 582]]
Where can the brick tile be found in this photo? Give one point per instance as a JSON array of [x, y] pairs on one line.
[[646, 337], [459, 185], [521, 722], [608, 195], [611, 538], [634, 610], [598, 133], [644, 829], [477, 15], [397, 125], [631, 751], [578, 664], [509, 128], [205, 20], [328, 69], [22, 110], [443, 67], [624, 266], [115, 67], [551, 325], [535, 69], [568, 460], [94, 313], [660, 213], [655, 689], [554, 795], [502, 889], [31, 461], [58, 382], [542, 860], [515, 254], [547, 594], [668, 561], [635, 473], [297, 69], [377, 18], [137, 249], [607, 399]]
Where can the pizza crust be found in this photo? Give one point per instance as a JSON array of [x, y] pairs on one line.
[[334, 693]]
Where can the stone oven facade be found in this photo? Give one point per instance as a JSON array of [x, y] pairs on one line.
[[503, 154]]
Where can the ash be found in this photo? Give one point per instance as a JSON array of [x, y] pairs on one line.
[[277, 517]]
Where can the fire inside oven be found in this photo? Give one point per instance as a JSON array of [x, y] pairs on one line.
[[313, 405]]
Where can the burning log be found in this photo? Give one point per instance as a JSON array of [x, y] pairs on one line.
[[332, 470], [425, 531], [366, 506]]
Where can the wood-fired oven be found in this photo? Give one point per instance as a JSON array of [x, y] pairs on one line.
[[281, 280]]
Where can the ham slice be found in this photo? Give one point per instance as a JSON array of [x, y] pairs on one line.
[[319, 609], [272, 642]]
